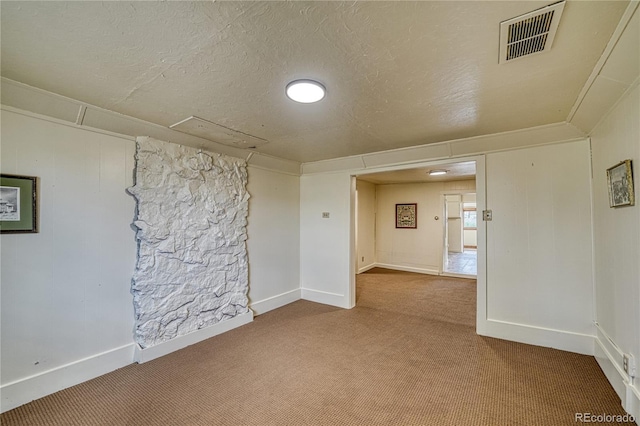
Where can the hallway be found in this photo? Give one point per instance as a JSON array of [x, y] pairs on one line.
[[465, 263]]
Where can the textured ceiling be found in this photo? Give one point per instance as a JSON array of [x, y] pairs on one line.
[[398, 73]]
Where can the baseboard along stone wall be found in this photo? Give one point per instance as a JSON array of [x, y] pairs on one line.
[[191, 222]]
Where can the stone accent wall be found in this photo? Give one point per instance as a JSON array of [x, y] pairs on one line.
[[192, 269]]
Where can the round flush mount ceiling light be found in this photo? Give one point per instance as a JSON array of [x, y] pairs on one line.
[[305, 91], [437, 172]]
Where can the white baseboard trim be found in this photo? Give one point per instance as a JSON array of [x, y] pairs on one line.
[[22, 391], [632, 404], [538, 336], [454, 275], [147, 354], [325, 298], [609, 359], [609, 368], [366, 268], [408, 269], [262, 306]]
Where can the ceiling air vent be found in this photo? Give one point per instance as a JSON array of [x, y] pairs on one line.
[[530, 33]]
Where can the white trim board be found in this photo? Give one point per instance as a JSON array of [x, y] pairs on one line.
[[263, 306], [425, 271], [463, 276], [449, 151], [608, 366], [537, 336], [54, 120], [69, 111], [324, 297], [613, 352], [615, 37], [366, 268], [628, 393], [147, 354], [609, 357], [25, 390]]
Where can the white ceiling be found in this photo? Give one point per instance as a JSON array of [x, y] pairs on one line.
[[398, 74]]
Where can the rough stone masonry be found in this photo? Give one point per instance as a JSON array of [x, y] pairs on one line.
[[192, 269]]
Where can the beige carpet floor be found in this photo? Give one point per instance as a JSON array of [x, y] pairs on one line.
[[407, 354]]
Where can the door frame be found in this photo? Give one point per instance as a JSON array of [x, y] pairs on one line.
[[443, 201], [481, 291]]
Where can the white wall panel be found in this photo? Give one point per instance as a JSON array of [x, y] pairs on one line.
[[456, 244], [617, 231], [66, 290], [325, 252], [419, 249], [366, 225], [617, 234], [67, 308], [470, 238], [539, 242], [274, 238]]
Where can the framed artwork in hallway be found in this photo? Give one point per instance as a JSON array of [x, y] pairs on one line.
[[407, 215], [620, 183]]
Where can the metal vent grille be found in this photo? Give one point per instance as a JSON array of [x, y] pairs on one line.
[[530, 33]]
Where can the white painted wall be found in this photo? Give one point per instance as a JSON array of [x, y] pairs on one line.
[[325, 244], [454, 223], [547, 300], [365, 225], [617, 246], [274, 239], [455, 235], [454, 206], [470, 238], [539, 246], [417, 250], [67, 311]]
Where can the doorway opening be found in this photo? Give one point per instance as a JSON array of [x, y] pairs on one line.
[[426, 247], [460, 255], [373, 218]]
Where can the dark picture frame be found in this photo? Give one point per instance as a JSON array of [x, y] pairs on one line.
[[407, 216], [18, 204], [620, 184]]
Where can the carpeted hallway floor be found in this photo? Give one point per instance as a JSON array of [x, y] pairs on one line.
[[406, 355]]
